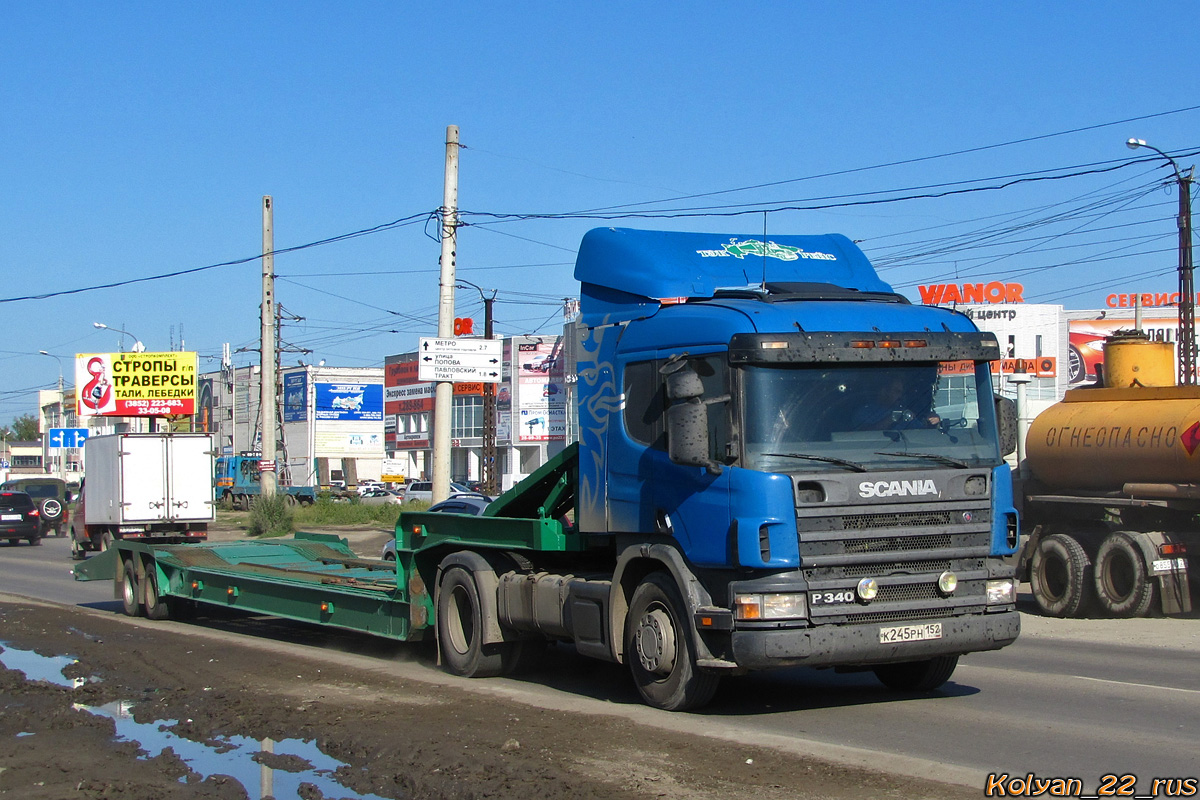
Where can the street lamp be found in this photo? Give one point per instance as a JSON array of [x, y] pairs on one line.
[[138, 347], [61, 413], [1187, 292]]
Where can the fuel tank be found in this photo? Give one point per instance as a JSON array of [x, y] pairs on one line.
[[1102, 439]]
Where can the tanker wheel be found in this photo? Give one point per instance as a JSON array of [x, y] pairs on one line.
[[659, 649], [917, 676], [460, 627], [153, 603], [1058, 576], [1123, 585], [130, 594]]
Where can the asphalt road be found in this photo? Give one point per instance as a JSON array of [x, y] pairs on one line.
[[1072, 698]]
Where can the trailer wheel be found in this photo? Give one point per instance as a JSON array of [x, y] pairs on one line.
[[1123, 585], [130, 590], [917, 676], [154, 604], [460, 629], [659, 649], [1058, 576]]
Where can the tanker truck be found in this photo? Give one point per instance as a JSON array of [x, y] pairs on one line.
[[1111, 490]]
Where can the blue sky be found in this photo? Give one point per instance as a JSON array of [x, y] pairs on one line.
[[137, 139]]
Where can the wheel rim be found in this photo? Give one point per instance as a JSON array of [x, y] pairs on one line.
[[1054, 577], [461, 625], [128, 591], [655, 640], [1120, 576]]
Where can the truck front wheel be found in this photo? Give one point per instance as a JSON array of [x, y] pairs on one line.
[[460, 627], [1058, 576], [1124, 587], [917, 676], [658, 647]]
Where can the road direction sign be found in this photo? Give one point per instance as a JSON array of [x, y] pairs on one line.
[[460, 360], [68, 437]]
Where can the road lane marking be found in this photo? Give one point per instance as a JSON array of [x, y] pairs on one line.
[[1142, 685]]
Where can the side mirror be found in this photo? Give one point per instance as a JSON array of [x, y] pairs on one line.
[[687, 421], [1006, 421]]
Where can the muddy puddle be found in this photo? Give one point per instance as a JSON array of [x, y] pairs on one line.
[[289, 768]]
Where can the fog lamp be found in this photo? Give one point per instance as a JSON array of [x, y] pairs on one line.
[[867, 589], [947, 583]]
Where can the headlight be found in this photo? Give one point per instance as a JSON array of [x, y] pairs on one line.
[[769, 606], [1002, 591]]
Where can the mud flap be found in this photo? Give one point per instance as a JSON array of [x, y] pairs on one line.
[[1171, 573]]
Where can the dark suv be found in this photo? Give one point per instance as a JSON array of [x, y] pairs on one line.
[[19, 518], [50, 495]]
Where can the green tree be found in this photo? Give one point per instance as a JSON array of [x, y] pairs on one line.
[[24, 429]]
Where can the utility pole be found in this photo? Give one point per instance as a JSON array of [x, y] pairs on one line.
[[268, 377], [488, 468], [443, 398]]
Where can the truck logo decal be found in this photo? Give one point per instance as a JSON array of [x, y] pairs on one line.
[[1191, 438], [751, 247], [914, 488]]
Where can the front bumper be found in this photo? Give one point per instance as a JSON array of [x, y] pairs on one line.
[[859, 645]]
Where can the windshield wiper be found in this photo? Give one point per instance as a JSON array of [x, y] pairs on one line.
[[954, 462], [829, 459]]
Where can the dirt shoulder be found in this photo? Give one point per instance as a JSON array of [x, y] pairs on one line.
[[396, 738]]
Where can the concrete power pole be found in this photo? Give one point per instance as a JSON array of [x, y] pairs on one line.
[[443, 398], [267, 408]]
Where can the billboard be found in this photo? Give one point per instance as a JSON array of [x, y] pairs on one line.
[[295, 396], [349, 401], [135, 384]]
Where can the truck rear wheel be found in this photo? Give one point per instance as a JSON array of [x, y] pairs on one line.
[[1123, 585], [1058, 576], [460, 627], [658, 647], [917, 676], [130, 589], [77, 551]]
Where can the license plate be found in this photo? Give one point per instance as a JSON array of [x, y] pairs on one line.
[[10, 517], [910, 633], [1164, 565]]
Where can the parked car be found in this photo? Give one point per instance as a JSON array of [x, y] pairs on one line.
[[423, 490], [365, 486], [378, 496], [19, 518], [472, 504], [51, 497]]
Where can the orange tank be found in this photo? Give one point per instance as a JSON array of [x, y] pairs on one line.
[[1102, 439], [1132, 359]]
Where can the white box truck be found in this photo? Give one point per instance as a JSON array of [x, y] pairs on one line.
[[156, 486]]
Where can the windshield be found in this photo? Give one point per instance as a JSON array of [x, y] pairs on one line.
[[809, 418]]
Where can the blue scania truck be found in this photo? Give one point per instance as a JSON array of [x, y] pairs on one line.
[[780, 462]]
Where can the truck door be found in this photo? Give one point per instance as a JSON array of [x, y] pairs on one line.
[[190, 468], [143, 494]]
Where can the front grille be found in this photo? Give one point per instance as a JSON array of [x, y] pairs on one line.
[[859, 570], [906, 519], [899, 616], [890, 543], [910, 591]]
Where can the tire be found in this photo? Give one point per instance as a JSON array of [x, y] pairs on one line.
[[659, 649], [153, 603], [1059, 577], [1075, 368], [917, 676], [460, 628], [1124, 587], [106, 541], [77, 551], [130, 590], [34, 541]]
